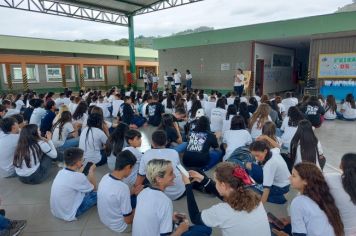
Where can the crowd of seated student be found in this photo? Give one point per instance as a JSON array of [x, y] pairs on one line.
[[189, 124]]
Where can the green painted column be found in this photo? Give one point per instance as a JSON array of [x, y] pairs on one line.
[[132, 49]]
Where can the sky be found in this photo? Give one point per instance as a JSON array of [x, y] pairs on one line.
[[213, 13]]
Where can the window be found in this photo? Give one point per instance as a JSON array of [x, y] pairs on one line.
[[280, 60], [93, 73], [16, 73], [54, 73]]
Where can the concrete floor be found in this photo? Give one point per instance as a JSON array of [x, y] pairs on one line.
[[32, 202]]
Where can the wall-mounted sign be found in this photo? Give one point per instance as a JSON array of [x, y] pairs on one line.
[[341, 65], [225, 66]]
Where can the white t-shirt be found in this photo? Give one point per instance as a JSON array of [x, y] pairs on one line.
[[289, 132], [166, 109], [92, 146], [349, 112], [216, 120], [175, 191], [329, 114], [72, 107], [46, 148], [67, 193], [82, 120], [227, 123], [177, 77], [188, 76], [232, 222], [282, 108], [235, 139], [208, 106], [255, 131], [307, 218], [289, 102], [66, 130], [131, 179], [113, 203], [275, 171], [60, 102], [343, 202], [8, 144], [116, 107], [298, 157], [10, 112], [37, 116], [153, 215], [165, 78], [240, 77], [105, 107], [19, 104]]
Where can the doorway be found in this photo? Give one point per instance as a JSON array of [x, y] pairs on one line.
[[260, 65]]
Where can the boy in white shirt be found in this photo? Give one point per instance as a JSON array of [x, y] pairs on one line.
[[159, 141], [72, 193], [115, 203], [104, 106]]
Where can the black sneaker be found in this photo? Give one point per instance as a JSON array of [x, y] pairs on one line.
[[16, 226]]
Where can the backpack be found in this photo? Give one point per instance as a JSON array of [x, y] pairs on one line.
[[240, 156]]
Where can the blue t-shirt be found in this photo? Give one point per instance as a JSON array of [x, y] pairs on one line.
[[46, 122]]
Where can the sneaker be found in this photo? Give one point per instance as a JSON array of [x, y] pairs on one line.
[[16, 227]]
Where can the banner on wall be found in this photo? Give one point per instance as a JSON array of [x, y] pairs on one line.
[[342, 65]]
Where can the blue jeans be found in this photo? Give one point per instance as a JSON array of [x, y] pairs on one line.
[[180, 148], [239, 90], [189, 85], [88, 202], [276, 194], [198, 230], [138, 120], [215, 158], [41, 174], [4, 222]]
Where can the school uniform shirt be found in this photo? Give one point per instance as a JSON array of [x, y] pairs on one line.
[[230, 221], [60, 102], [255, 131], [218, 115], [176, 78], [208, 106], [175, 191], [298, 157], [93, 144], [307, 218], [230, 100], [197, 152], [282, 108], [8, 144], [116, 106], [131, 179], [235, 139], [165, 78], [329, 113], [154, 113], [349, 112], [47, 149], [10, 112], [66, 130], [275, 171], [72, 107], [67, 193], [343, 202], [82, 120], [166, 109], [288, 134], [289, 102], [240, 77], [37, 116], [188, 76], [114, 203], [153, 214], [105, 107], [19, 105]]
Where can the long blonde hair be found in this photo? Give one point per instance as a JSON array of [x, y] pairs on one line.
[[260, 115]]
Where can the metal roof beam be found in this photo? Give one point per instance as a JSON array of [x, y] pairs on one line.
[[163, 4], [131, 3], [53, 7]]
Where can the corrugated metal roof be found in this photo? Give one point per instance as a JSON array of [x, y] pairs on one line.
[[308, 26], [49, 45]]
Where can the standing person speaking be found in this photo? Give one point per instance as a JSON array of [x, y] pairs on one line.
[[239, 79]]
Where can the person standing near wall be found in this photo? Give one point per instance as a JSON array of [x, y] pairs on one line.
[[177, 80], [239, 79], [165, 79], [188, 77], [145, 79]]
